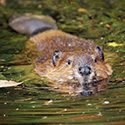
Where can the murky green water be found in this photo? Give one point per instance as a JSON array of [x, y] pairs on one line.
[[102, 21]]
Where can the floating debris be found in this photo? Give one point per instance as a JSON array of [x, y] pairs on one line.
[[5, 103], [102, 38], [89, 104], [6, 83], [114, 44], [17, 109], [44, 117], [106, 102], [1, 66], [33, 106], [65, 110], [48, 102], [83, 112], [99, 114], [82, 10]]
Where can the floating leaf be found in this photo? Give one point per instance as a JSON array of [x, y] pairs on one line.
[[5, 83], [114, 44], [82, 10], [48, 102]]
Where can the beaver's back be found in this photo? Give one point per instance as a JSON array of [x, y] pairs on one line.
[[44, 44]]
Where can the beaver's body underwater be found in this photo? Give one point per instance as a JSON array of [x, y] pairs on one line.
[[71, 64]]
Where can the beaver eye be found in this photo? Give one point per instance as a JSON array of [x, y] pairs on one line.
[[95, 60], [55, 57], [69, 62], [100, 53]]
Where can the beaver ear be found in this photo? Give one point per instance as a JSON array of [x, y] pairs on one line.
[[100, 51], [56, 55]]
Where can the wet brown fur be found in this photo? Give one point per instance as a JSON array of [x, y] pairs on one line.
[[41, 47], [44, 44]]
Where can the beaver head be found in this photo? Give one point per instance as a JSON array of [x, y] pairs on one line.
[[79, 72]]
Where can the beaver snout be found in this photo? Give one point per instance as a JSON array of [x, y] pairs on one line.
[[86, 93], [84, 70]]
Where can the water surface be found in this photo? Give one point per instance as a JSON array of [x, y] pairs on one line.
[[101, 20]]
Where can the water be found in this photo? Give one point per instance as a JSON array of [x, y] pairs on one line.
[[33, 103], [40, 106]]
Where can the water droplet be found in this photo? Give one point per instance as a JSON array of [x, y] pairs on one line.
[[17, 109], [99, 114], [65, 110], [33, 106], [89, 104], [44, 117], [48, 102], [9, 68], [106, 102], [102, 38], [2, 67], [5, 103]]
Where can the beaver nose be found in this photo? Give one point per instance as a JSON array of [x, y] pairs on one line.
[[85, 70], [86, 93]]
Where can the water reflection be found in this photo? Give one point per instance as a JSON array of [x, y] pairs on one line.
[[39, 106]]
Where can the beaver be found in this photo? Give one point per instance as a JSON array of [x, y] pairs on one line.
[[71, 64]]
